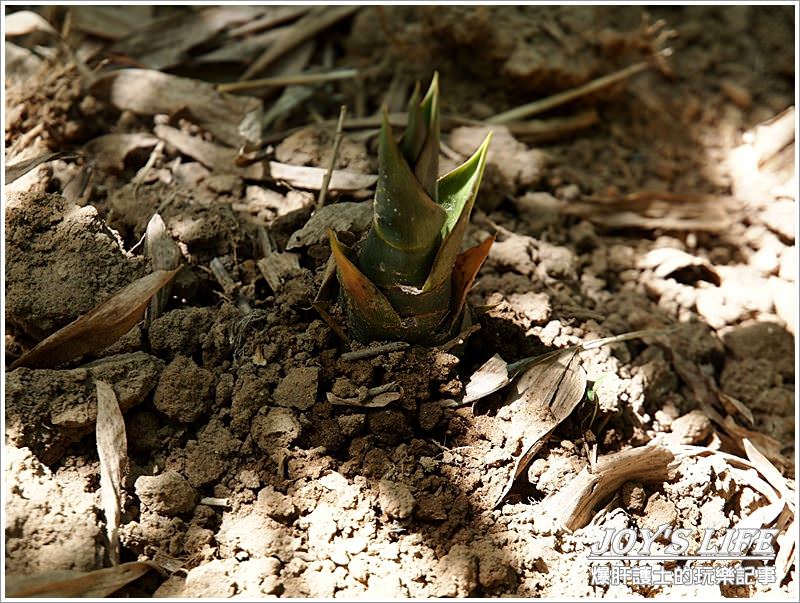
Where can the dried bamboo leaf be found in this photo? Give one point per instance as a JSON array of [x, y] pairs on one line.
[[19, 169], [110, 22], [355, 217], [489, 378], [110, 150], [311, 178], [242, 51], [277, 15], [164, 254], [496, 373], [306, 28], [766, 468], [96, 584], [572, 505], [112, 448], [787, 550], [98, 328], [166, 42], [223, 159], [149, 92], [541, 399]]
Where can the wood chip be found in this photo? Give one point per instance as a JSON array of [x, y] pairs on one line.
[[150, 92], [276, 267], [110, 150], [355, 217], [112, 449], [98, 328]]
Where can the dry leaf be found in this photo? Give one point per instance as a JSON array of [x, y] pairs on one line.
[[550, 388], [223, 159], [355, 217], [496, 373], [572, 505], [658, 209], [317, 20], [19, 169], [112, 448], [166, 42], [311, 178], [25, 22], [98, 328], [540, 400], [242, 51], [97, 584], [149, 92], [765, 468], [110, 150], [489, 378], [787, 551], [164, 254], [110, 22]]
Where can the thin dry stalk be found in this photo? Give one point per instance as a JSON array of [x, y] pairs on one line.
[[555, 100], [289, 80], [337, 141], [305, 29]]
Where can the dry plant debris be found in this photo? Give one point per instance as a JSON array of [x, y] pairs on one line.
[[269, 454], [112, 449], [100, 327]]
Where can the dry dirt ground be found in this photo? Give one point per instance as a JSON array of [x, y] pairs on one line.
[[659, 202]]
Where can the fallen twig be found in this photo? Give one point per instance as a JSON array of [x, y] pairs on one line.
[[337, 141], [289, 80], [545, 104], [375, 350], [229, 287]]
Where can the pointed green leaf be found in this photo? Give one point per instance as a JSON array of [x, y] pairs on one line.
[[406, 223], [414, 134], [457, 191], [427, 166]]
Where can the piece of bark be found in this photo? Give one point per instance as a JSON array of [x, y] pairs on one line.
[[573, 504]]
